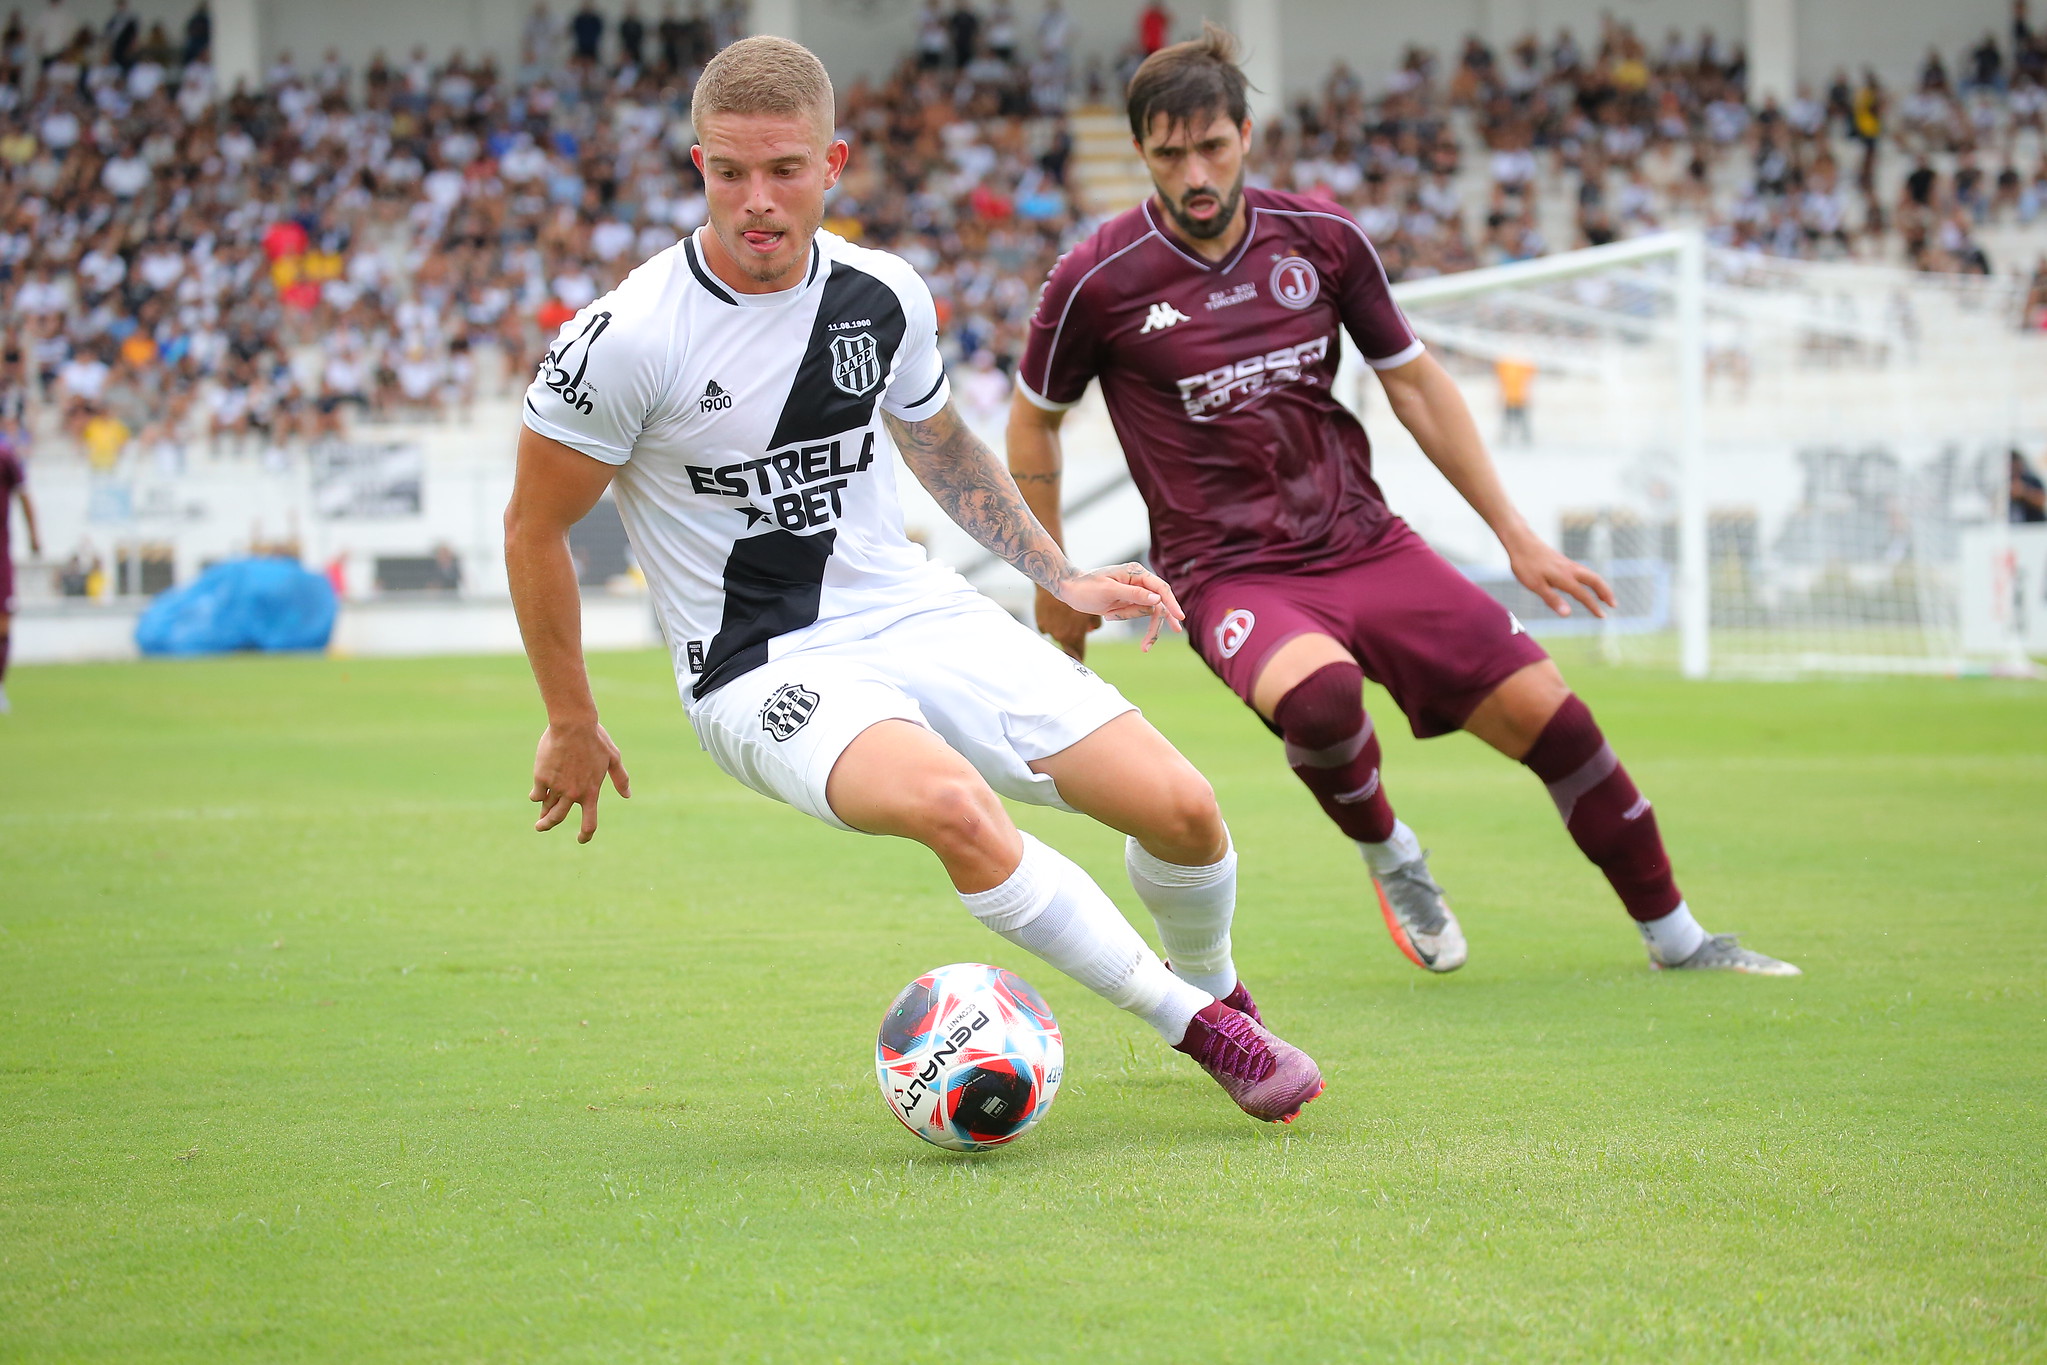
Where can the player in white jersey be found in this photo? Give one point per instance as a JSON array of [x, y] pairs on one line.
[[741, 393]]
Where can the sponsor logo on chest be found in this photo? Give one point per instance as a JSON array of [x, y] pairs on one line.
[[1226, 386], [802, 486]]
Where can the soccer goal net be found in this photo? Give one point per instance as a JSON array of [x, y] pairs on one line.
[[1782, 466]]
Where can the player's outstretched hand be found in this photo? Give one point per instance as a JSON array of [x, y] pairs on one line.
[[1067, 627], [1122, 593], [569, 770], [1550, 575]]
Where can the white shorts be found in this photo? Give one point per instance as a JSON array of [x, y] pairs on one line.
[[969, 673]]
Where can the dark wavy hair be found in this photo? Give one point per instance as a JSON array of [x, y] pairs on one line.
[[1189, 81]]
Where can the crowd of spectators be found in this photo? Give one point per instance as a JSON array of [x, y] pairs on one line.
[[1638, 135], [187, 268]]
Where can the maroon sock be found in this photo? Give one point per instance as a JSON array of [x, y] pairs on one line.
[[1611, 821], [5, 641], [1331, 747]]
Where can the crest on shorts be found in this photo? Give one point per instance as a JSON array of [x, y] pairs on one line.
[[1234, 629], [788, 711], [1295, 283], [856, 364]]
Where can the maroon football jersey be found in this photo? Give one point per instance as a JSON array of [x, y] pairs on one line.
[[1218, 379]]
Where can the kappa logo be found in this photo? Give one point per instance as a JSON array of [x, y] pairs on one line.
[[1518, 629], [856, 364], [715, 399], [788, 711], [1234, 629], [1295, 283], [567, 365], [1162, 316]]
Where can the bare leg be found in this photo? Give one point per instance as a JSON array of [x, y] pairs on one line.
[[899, 778], [1513, 717], [1129, 777]]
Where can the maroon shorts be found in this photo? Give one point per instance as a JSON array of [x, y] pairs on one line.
[[1427, 634], [6, 573]]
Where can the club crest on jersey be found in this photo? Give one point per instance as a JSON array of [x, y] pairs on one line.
[[856, 364], [788, 711], [1234, 629], [1295, 283], [565, 366]]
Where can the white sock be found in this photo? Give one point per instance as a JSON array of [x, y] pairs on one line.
[[1192, 907], [1051, 908], [1400, 847], [1673, 938]]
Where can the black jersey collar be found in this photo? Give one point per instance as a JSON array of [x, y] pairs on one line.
[[717, 289]]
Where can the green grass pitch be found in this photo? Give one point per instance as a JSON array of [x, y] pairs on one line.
[[311, 1049]]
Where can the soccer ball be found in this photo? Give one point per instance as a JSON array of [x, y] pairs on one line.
[[969, 1057]]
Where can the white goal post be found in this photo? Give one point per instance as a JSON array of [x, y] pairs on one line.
[[1800, 464], [1684, 251]]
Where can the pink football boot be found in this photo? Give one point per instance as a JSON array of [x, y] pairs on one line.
[[1270, 1079]]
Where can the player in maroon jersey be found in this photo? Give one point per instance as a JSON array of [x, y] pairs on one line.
[[1209, 315], [13, 488]]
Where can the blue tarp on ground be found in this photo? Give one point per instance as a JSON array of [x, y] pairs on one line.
[[242, 604]]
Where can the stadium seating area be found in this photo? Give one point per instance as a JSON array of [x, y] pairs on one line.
[[188, 273]]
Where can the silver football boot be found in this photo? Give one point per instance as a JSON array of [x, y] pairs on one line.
[[1418, 916], [1720, 953]]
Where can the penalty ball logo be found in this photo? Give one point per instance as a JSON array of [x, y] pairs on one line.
[[1295, 283], [1234, 630]]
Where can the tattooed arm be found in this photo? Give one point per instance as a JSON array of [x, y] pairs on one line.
[[1035, 461], [964, 477]]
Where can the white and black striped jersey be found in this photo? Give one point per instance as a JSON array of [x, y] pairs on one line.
[[755, 480]]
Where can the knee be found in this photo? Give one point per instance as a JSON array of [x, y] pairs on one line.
[[955, 816], [1186, 824], [1325, 709]]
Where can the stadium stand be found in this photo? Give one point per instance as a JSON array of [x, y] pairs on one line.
[[188, 275]]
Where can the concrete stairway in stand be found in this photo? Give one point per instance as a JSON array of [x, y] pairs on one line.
[[1105, 173]]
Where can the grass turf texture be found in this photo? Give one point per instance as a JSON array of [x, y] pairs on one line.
[[310, 1048]]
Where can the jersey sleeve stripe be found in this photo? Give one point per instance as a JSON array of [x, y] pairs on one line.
[[1074, 293], [689, 252], [929, 395], [1398, 358], [1038, 400]]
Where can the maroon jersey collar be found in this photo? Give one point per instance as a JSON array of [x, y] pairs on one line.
[[1223, 267]]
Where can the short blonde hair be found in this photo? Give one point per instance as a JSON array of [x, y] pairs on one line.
[[765, 75]]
